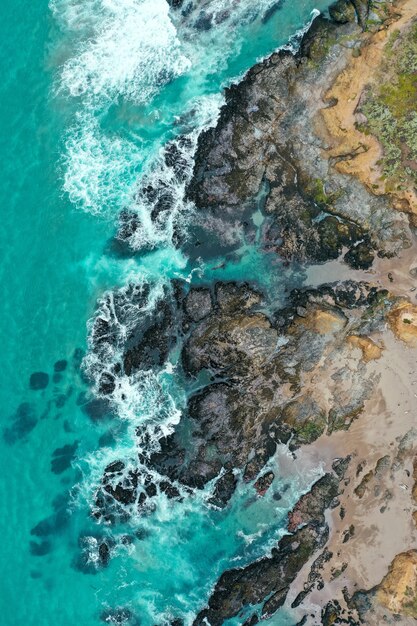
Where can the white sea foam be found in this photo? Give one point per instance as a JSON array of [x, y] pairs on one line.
[[167, 182], [116, 59], [132, 50], [100, 169], [295, 40]]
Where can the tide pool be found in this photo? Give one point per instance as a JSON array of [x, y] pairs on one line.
[[91, 90]]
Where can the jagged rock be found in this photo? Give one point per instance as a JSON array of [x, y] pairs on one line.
[[268, 579], [342, 11], [224, 489], [268, 576], [127, 335], [361, 256], [362, 10], [259, 395], [263, 153], [264, 482], [126, 491], [310, 505], [314, 578], [198, 304]]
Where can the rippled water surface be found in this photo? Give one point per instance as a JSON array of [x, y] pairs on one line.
[[91, 91]]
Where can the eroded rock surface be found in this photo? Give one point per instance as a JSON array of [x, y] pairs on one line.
[[267, 580], [263, 153]]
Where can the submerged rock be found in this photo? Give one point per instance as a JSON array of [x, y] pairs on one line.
[[60, 366], [23, 421], [63, 457], [39, 380]]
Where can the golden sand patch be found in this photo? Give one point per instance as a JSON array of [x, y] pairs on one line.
[[323, 321], [403, 322], [397, 591], [370, 350]]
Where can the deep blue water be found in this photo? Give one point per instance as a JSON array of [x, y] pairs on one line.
[[91, 90]]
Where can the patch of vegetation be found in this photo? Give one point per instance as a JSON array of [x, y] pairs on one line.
[[389, 48], [317, 190], [338, 572], [410, 607], [320, 195], [310, 431], [391, 110]]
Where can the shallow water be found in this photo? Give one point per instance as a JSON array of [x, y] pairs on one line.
[[91, 90]]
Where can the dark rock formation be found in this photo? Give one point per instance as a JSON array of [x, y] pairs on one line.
[[198, 304], [127, 325], [120, 617], [264, 482], [38, 380], [310, 506], [259, 370], [159, 195], [264, 154], [342, 12], [224, 489], [268, 579], [128, 490]]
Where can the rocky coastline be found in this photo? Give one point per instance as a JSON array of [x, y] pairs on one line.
[[311, 373]]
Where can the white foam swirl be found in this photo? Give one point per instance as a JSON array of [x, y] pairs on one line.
[[132, 49]]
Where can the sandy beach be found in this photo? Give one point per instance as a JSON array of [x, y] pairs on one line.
[[374, 521]]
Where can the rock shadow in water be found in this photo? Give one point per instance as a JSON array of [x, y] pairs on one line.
[[38, 381], [24, 421], [62, 457], [40, 549]]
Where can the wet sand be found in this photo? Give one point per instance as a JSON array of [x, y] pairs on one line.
[[381, 518]]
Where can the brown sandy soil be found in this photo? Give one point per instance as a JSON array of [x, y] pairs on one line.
[[378, 510], [354, 152], [398, 586]]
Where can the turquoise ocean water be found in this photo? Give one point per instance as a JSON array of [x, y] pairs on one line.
[[91, 90]]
